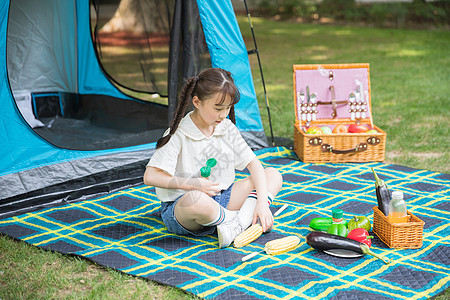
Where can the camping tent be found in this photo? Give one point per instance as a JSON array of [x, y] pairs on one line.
[[67, 127]]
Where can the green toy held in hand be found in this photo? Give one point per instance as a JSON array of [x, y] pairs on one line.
[[205, 171]]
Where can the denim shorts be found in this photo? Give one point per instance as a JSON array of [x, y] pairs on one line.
[[172, 224]]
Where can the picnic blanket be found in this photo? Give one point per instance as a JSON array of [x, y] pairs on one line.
[[124, 231]]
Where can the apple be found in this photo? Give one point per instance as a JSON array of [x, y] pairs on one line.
[[372, 131], [326, 130], [357, 128], [314, 130], [340, 129]]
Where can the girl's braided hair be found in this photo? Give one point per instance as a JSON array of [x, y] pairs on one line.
[[205, 85]]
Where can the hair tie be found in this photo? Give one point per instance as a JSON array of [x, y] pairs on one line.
[[196, 78]]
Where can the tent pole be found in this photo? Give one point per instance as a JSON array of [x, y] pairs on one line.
[[260, 69]]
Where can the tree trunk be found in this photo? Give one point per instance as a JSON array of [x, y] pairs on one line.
[[139, 16]]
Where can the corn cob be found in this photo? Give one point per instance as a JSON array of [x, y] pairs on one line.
[[281, 245], [277, 246], [248, 236]]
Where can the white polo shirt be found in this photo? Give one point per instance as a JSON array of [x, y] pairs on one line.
[[188, 150]]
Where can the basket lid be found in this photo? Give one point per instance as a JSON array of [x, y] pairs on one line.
[[341, 91]]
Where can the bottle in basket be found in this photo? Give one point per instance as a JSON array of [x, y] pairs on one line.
[[397, 208]]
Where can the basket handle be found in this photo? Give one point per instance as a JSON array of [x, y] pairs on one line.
[[359, 148]]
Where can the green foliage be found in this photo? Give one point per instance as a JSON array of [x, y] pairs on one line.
[[399, 14], [339, 9], [428, 12], [405, 14], [286, 9]]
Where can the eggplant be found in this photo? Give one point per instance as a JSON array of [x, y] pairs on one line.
[[382, 192], [326, 241]]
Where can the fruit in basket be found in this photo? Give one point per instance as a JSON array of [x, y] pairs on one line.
[[340, 129], [372, 131], [326, 130], [314, 130], [357, 128]]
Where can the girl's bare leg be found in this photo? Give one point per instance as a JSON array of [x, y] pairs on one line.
[[242, 188], [195, 208]]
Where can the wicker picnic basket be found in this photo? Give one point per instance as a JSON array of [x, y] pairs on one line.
[[398, 235], [332, 84]]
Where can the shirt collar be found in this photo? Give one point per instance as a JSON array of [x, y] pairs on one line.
[[188, 128]]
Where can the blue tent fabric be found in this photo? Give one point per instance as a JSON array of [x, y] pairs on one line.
[[228, 51], [124, 231], [22, 149]]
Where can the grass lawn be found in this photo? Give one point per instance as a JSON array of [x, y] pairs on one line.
[[410, 70]]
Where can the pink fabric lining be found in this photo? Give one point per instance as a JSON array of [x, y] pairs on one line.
[[344, 82]]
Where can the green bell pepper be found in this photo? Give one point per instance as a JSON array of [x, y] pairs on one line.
[[359, 222], [338, 229]]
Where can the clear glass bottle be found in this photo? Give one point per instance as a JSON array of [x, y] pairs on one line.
[[397, 208]]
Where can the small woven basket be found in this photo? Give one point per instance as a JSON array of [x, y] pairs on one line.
[[398, 235]]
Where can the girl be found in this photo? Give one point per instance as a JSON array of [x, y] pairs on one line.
[[194, 205]]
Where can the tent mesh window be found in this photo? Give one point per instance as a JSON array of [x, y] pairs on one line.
[[144, 45], [51, 67]]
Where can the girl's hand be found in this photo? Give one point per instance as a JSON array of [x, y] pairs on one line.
[[263, 213], [208, 187], [159, 178]]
